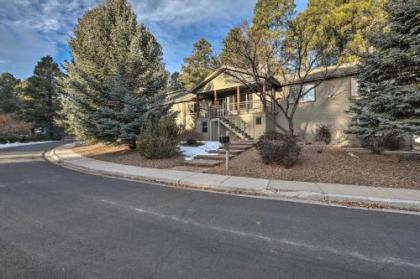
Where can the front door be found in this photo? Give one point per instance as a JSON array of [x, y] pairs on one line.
[[215, 128]]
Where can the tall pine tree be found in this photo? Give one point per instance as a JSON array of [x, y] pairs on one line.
[[173, 83], [40, 95], [342, 21], [115, 77], [199, 65], [390, 75], [8, 98]]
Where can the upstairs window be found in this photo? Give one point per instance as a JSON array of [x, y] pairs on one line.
[[308, 92], [192, 108]]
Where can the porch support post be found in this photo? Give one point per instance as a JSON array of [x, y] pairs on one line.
[[238, 99], [215, 96], [197, 102]]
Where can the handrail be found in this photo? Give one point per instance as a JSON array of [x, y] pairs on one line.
[[254, 106]]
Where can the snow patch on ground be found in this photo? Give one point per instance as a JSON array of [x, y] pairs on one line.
[[190, 152], [15, 144]]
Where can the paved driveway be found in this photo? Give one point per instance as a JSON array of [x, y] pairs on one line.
[[58, 223]]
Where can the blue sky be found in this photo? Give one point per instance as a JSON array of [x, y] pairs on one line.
[[30, 29]]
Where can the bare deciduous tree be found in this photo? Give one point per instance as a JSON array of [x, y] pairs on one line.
[[270, 64]]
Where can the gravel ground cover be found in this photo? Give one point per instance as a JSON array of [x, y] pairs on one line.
[[123, 155], [332, 166]]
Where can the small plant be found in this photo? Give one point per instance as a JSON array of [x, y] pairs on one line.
[[393, 141], [276, 148], [375, 144], [323, 134], [191, 137], [159, 138]]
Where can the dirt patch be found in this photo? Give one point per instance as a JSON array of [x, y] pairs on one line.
[[332, 166], [121, 154]]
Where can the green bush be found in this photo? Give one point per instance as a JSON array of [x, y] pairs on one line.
[[323, 134], [276, 148], [159, 138]]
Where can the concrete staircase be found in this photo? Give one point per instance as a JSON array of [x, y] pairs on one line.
[[217, 157], [235, 128]]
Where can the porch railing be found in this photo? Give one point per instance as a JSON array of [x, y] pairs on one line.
[[232, 109]]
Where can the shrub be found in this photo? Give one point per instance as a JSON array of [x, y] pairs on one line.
[[393, 141], [374, 143], [323, 134], [159, 138], [276, 148], [191, 137]]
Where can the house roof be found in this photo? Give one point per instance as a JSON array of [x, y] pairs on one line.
[[225, 69], [179, 96], [325, 73], [316, 74]]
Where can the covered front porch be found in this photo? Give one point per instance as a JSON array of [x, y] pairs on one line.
[[223, 104], [234, 110]]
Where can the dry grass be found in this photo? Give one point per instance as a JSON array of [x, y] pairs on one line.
[[332, 166], [121, 154]]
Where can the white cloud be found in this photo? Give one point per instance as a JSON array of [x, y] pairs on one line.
[[30, 29], [185, 12]]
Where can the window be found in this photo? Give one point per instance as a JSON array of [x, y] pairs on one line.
[[308, 93], [258, 120], [192, 108], [246, 101], [204, 127], [354, 88], [231, 104]]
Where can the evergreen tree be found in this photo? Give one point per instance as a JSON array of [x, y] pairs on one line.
[[123, 115], [8, 98], [272, 15], [116, 69], [174, 84], [342, 21], [389, 75], [40, 96], [199, 65]]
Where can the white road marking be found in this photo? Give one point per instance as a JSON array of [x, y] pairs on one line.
[[284, 241]]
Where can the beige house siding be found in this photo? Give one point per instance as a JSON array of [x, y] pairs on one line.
[[184, 118], [332, 99], [221, 82]]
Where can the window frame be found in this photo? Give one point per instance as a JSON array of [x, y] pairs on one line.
[[302, 99], [206, 126], [194, 108], [258, 120]]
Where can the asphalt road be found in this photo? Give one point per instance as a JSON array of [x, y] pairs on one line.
[[58, 223]]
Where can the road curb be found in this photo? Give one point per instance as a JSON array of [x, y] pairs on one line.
[[290, 194]]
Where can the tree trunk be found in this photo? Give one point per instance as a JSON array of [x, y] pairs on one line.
[[132, 144], [291, 127], [50, 110]]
